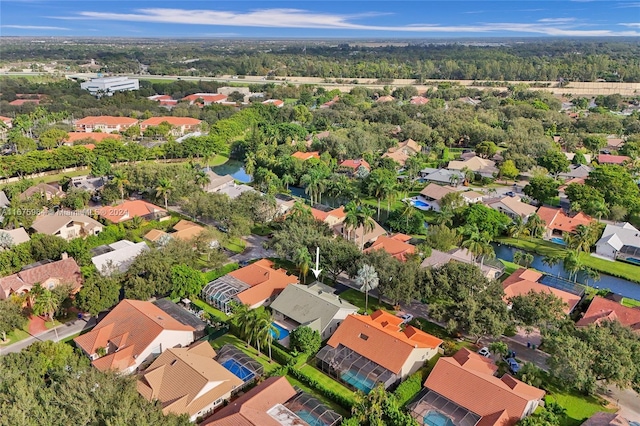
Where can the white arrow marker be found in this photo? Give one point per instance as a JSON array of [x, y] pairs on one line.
[[317, 271]]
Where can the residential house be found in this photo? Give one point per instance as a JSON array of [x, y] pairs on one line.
[[396, 245], [4, 200], [445, 177], [606, 419], [614, 144], [274, 402], [315, 306], [558, 222], [257, 284], [484, 167], [130, 209], [47, 273], [384, 99], [490, 269], [513, 207], [352, 166], [304, 156], [369, 349], [580, 171], [133, 333], [44, 190], [7, 123], [117, 257], [602, 309], [523, 281], [330, 103], [471, 197], [73, 137], [419, 100], [17, 236], [571, 155], [188, 381], [164, 100], [356, 236], [20, 102], [104, 124], [612, 159], [204, 99], [620, 242], [275, 102], [331, 217], [89, 184], [183, 230], [66, 224], [403, 151], [433, 193], [463, 389], [179, 125], [217, 182]]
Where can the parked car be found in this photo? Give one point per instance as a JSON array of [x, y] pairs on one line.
[[511, 194], [485, 352], [514, 367], [406, 318]]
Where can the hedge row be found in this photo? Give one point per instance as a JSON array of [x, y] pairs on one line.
[[338, 398], [408, 389], [217, 273]]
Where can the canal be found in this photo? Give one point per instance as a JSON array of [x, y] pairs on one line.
[[234, 168], [617, 285]]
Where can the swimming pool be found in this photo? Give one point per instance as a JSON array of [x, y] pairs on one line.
[[282, 332], [558, 240], [238, 370], [633, 260], [435, 418], [310, 418], [421, 204], [358, 381]]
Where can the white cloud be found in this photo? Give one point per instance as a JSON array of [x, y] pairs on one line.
[[34, 27], [557, 20], [627, 5], [296, 18], [631, 24]]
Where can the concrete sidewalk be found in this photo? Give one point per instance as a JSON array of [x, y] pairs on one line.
[[54, 334]]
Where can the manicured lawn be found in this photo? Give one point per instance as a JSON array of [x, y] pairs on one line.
[[15, 336], [332, 405], [630, 303], [547, 248], [210, 309], [70, 338], [235, 244], [51, 324], [509, 268], [579, 407], [217, 160], [357, 298], [253, 353], [326, 381], [261, 230]]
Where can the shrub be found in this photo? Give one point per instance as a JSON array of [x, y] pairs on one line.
[[408, 389], [217, 273], [338, 398], [305, 340]]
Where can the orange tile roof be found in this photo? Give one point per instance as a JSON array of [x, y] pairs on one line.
[[612, 159], [131, 327], [419, 100], [20, 102], [5, 119], [185, 230], [354, 164], [306, 155], [395, 245], [154, 235], [386, 344], [128, 210], [322, 216], [523, 281], [174, 121], [263, 280], [500, 402], [555, 218], [66, 271], [602, 309], [206, 97], [276, 102], [106, 120], [98, 137], [251, 408]]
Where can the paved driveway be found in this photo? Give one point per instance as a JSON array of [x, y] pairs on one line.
[[253, 250]]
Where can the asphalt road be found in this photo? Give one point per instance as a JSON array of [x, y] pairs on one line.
[[55, 334]]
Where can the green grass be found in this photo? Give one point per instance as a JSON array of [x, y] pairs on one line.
[[630, 303], [218, 160], [261, 230], [229, 339], [335, 407], [70, 338], [15, 336], [509, 268], [357, 298], [579, 407], [215, 313], [546, 248], [50, 324], [235, 244], [326, 381]]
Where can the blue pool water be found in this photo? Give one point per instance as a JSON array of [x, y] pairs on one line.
[[282, 332], [435, 418], [418, 203], [357, 381], [632, 260], [309, 418], [243, 373], [558, 240]]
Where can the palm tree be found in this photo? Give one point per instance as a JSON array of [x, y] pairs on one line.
[[202, 179], [303, 260], [551, 260], [572, 264], [46, 303], [207, 157], [517, 228], [164, 188], [264, 330], [523, 258], [408, 212], [468, 175], [287, 180], [599, 209], [250, 163], [479, 244], [244, 318], [6, 240], [12, 215], [365, 220], [591, 274], [351, 218], [120, 180], [454, 179], [535, 226], [376, 188], [300, 210], [367, 279]]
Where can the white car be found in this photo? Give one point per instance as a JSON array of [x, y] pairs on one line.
[[485, 352], [406, 318]]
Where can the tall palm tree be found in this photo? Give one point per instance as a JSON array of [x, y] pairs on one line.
[[303, 260], [365, 220], [300, 210], [599, 209], [6, 240], [351, 218], [552, 260], [202, 179], [250, 163], [367, 279], [454, 179], [12, 215], [517, 228], [164, 188], [376, 188], [207, 157], [46, 304], [287, 180], [408, 212], [244, 318], [120, 180], [479, 244], [572, 264], [535, 226], [591, 274], [264, 330]]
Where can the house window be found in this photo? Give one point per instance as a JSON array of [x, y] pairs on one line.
[[363, 336]]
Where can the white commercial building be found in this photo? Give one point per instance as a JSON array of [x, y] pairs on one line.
[[109, 85]]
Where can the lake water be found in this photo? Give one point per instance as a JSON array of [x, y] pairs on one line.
[[617, 285], [234, 168]]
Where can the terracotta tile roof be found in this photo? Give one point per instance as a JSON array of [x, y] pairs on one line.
[[612, 159], [251, 408], [128, 210], [322, 216], [263, 280], [606, 419], [98, 137], [523, 281], [387, 98], [396, 245], [555, 218], [615, 142], [186, 380], [106, 120], [20, 102], [403, 151], [386, 344], [5, 120], [436, 192], [131, 327], [354, 164], [419, 100], [602, 309], [174, 121], [154, 235], [206, 97], [276, 102], [65, 271], [471, 385], [306, 155]]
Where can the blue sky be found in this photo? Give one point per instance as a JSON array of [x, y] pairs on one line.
[[320, 19]]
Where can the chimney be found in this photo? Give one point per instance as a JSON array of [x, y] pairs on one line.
[[64, 256]]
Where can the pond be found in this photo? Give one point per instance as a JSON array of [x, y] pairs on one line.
[[234, 168], [617, 285]]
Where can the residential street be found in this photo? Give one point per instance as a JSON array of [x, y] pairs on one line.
[[58, 333], [253, 250]]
